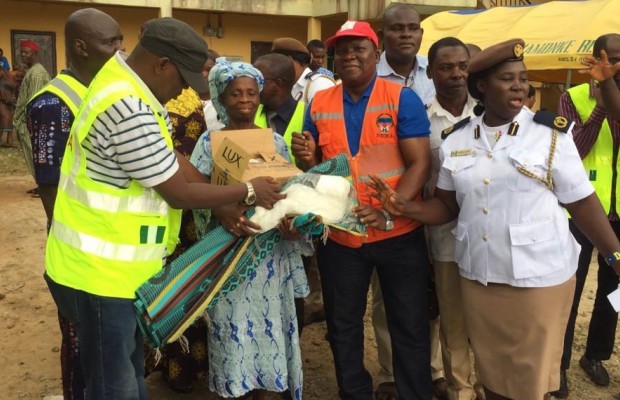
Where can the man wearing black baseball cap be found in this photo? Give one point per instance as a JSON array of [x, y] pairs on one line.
[[171, 38], [117, 212]]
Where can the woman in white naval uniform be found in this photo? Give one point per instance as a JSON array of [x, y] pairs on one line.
[[506, 175]]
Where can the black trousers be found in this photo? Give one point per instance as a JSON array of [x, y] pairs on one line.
[[602, 331], [402, 266]]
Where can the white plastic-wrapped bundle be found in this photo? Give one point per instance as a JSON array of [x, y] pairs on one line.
[[324, 195]]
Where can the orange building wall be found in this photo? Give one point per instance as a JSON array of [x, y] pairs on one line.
[[38, 16], [239, 29]]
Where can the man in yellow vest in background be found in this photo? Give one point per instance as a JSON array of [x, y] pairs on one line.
[[597, 137], [92, 38], [278, 109], [383, 129], [606, 70], [117, 210], [285, 115]]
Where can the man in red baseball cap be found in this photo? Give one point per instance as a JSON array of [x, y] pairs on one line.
[[383, 128], [354, 29], [35, 79]]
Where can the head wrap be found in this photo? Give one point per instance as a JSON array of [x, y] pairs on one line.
[[29, 44], [222, 73]]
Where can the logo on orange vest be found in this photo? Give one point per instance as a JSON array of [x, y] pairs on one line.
[[385, 123]]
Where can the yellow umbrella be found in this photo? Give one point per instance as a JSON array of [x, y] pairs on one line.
[[557, 35]]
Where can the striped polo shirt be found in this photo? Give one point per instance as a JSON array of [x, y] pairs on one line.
[[125, 143]]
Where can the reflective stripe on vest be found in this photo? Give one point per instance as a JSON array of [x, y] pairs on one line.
[[379, 151], [598, 163], [67, 88], [324, 115], [107, 240], [147, 202], [111, 251], [296, 124]]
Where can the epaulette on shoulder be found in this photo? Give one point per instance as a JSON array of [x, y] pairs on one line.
[[552, 120], [449, 130]]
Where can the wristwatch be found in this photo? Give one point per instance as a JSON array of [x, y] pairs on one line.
[[612, 258], [250, 198], [389, 223]]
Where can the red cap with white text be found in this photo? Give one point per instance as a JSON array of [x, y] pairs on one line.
[[355, 29]]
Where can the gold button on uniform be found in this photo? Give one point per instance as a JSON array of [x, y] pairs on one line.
[[490, 155], [487, 181], [485, 210], [485, 238]]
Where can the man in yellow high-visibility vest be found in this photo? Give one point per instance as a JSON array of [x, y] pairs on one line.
[[117, 210], [597, 137], [92, 37]]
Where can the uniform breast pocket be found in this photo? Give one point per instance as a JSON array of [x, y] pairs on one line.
[[527, 163], [461, 246], [461, 169], [534, 249]]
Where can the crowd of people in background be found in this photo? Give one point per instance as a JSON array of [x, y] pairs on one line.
[[463, 190]]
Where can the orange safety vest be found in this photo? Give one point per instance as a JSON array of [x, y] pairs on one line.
[[379, 152]]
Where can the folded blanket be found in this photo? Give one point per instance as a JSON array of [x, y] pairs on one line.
[[170, 301]]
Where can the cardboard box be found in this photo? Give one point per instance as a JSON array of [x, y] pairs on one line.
[[241, 155]]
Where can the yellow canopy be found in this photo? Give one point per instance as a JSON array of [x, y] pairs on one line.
[[557, 35]]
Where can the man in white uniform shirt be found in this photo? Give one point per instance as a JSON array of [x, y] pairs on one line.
[[448, 60], [307, 82]]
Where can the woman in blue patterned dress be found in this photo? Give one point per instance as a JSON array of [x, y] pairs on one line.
[[253, 336]]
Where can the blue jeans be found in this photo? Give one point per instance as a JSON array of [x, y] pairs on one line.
[[111, 349], [402, 266]]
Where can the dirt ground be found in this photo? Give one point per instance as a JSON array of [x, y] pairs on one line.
[[30, 338]]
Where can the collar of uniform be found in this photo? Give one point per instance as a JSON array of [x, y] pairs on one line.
[[385, 69], [434, 108], [523, 118], [155, 105], [366, 93]]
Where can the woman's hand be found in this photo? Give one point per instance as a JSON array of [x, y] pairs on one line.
[[391, 201], [304, 148], [286, 229], [602, 69], [232, 219], [267, 190]]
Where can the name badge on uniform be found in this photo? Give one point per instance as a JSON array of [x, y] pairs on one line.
[[460, 153]]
